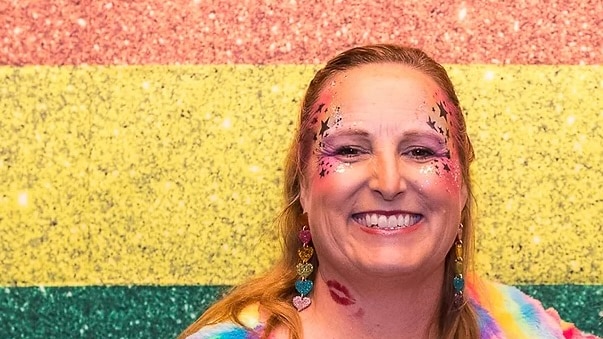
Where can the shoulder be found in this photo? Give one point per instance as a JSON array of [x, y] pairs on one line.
[[505, 312], [250, 327]]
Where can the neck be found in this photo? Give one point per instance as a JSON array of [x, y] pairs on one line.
[[374, 308]]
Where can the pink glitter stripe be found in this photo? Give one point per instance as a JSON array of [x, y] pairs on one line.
[[301, 32]]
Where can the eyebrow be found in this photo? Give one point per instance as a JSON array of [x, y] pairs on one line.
[[349, 133], [411, 134], [415, 134]]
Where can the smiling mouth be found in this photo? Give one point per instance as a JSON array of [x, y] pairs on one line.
[[387, 222]]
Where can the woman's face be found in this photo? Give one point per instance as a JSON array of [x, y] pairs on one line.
[[383, 188]]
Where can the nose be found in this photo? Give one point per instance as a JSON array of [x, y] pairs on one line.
[[387, 178]]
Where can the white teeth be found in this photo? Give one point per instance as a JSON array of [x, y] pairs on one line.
[[392, 221], [374, 220], [388, 222]]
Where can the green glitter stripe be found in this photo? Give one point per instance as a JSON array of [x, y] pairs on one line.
[[162, 312], [579, 304]]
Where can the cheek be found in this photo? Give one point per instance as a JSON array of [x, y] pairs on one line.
[[440, 177], [329, 166], [326, 166], [332, 178]]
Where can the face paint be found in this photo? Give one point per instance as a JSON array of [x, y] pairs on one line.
[[440, 112], [443, 112], [340, 293], [325, 166], [438, 120], [337, 118], [428, 169], [326, 124], [342, 167]]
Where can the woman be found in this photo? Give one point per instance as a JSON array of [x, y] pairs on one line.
[[377, 230]]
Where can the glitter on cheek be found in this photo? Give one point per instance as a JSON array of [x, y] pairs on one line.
[[427, 169], [427, 172], [342, 167], [440, 172], [424, 184], [457, 178], [452, 173]]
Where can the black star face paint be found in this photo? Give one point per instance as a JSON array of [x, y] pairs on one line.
[[443, 112], [328, 118]]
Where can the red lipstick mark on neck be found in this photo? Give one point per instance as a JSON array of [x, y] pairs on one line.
[[340, 293]]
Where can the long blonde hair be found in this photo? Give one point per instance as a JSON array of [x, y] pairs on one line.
[[275, 289]]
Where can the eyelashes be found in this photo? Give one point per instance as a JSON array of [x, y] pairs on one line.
[[350, 153], [345, 152], [421, 153]]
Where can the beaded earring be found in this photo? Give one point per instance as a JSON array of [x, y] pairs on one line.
[[304, 269], [458, 281]]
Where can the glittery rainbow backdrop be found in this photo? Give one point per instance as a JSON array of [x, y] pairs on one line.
[[142, 147]]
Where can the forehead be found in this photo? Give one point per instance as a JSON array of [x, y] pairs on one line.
[[377, 89], [382, 80]]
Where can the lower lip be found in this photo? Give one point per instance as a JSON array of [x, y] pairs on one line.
[[381, 231]]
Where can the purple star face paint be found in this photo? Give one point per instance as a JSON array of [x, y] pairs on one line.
[[383, 187]]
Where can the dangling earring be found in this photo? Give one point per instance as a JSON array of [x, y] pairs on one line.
[[458, 282], [304, 268]]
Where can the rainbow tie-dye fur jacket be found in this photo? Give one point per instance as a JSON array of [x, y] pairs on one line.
[[503, 312]]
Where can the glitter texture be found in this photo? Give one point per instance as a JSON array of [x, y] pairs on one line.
[[133, 151], [262, 32]]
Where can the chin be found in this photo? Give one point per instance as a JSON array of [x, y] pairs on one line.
[[386, 267]]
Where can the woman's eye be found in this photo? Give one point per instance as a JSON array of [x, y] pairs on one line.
[[421, 153], [348, 151]]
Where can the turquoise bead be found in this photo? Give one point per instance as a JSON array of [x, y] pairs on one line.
[[458, 282]]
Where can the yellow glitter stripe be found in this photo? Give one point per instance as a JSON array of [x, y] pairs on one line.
[[171, 174]]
